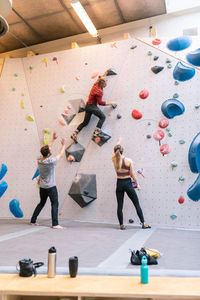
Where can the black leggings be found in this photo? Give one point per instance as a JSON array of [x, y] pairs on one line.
[[44, 194], [125, 185], [92, 109]]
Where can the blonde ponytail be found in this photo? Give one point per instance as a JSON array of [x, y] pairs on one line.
[[118, 156]]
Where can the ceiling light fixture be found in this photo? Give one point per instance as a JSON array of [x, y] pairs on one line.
[[85, 19]]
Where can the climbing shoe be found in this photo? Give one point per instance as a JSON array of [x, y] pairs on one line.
[[145, 226], [74, 136]]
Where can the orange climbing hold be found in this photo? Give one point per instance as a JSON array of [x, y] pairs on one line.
[[136, 114]]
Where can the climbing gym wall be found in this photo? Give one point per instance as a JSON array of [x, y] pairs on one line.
[[55, 85]]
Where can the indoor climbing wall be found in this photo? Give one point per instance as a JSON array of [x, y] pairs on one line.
[[57, 83]]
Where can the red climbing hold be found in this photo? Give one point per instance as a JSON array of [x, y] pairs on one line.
[[163, 123], [136, 114], [156, 42], [109, 115], [165, 149], [181, 199], [144, 94], [97, 139], [158, 135]]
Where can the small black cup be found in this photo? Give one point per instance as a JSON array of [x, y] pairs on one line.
[[73, 266]]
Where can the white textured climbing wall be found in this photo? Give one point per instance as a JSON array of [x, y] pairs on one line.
[[70, 71]]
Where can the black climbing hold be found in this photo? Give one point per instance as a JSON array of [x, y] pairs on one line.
[[133, 47], [111, 72], [76, 150], [101, 138], [157, 69], [83, 189], [156, 58], [131, 221], [78, 105], [119, 116], [68, 118]]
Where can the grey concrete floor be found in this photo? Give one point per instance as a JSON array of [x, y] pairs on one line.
[[101, 248]]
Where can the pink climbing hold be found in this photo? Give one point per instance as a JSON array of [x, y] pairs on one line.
[[136, 114], [156, 42], [165, 149], [163, 123], [158, 135], [144, 94], [181, 199], [62, 121]]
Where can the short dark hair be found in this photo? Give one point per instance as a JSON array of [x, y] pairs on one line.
[[45, 150]]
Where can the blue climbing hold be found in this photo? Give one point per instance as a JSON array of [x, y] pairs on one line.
[[3, 171], [193, 57], [15, 208], [194, 154], [3, 188], [171, 108], [182, 72], [179, 43], [194, 191], [36, 174]]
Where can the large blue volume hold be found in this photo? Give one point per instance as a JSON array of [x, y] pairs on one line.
[[171, 108], [179, 43], [15, 208], [182, 72], [194, 154]]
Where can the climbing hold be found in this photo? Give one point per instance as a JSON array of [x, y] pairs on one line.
[[171, 108], [174, 164], [197, 106], [69, 107], [181, 199], [173, 216], [68, 118], [193, 57], [3, 187], [136, 114], [109, 115], [76, 151], [131, 221], [176, 82], [62, 121], [165, 149], [149, 53], [168, 129], [170, 134], [181, 179], [46, 136], [156, 58], [111, 72], [104, 137], [156, 42], [71, 158], [148, 136], [94, 74], [16, 74], [194, 191], [194, 154], [15, 208], [157, 69], [163, 123], [22, 104], [30, 68], [140, 171], [182, 72], [113, 45], [149, 123], [36, 174], [45, 61], [119, 116], [3, 171], [144, 94], [168, 61], [176, 95], [169, 66], [182, 142], [133, 47], [78, 105], [55, 59], [83, 189], [77, 78], [66, 111], [29, 118], [22, 94], [13, 89], [179, 43], [62, 89], [158, 135], [114, 105]]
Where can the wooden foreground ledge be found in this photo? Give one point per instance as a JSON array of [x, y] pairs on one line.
[[100, 286]]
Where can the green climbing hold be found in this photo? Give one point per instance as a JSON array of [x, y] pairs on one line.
[[176, 95], [170, 134], [182, 142], [197, 106], [181, 179], [149, 53], [174, 164], [13, 89], [168, 61], [169, 66], [16, 74], [176, 82], [168, 129], [173, 216]]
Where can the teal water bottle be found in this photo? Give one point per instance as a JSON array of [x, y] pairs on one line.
[[144, 270]]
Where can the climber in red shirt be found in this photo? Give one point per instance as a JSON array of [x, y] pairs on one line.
[[94, 99]]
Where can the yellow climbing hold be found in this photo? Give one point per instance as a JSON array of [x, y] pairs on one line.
[[22, 104], [29, 118], [46, 136], [62, 89]]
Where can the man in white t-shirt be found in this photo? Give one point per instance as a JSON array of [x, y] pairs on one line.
[[46, 165]]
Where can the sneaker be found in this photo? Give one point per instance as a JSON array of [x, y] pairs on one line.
[[145, 226], [74, 136], [122, 227]]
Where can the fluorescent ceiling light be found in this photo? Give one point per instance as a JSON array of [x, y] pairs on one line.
[[84, 17]]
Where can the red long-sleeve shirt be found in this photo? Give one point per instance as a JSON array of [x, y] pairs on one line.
[[96, 95]]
